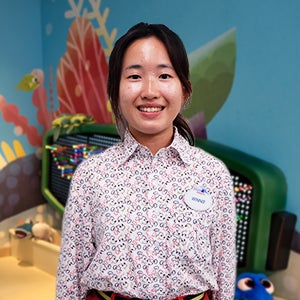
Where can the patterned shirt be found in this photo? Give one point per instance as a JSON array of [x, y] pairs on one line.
[[149, 226]]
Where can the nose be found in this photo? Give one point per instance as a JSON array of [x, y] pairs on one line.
[[150, 89]]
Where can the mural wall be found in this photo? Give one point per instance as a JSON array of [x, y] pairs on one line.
[[75, 82], [245, 71], [66, 64], [245, 91], [20, 132]]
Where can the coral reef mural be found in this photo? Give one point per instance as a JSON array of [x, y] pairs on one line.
[[212, 69], [20, 186], [10, 113], [10, 154], [92, 12], [78, 86], [82, 74], [81, 88], [20, 173], [19, 180], [82, 70]]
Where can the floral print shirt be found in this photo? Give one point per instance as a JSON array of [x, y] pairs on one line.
[[151, 227]]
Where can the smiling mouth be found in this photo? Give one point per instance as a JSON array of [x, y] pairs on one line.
[[150, 109]]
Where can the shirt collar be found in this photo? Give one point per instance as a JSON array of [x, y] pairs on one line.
[[179, 144]]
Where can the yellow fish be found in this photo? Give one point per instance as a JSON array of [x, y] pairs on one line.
[[28, 83]]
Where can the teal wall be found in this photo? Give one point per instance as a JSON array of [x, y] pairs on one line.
[[20, 52], [261, 113]]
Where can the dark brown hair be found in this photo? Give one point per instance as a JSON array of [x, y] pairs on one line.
[[178, 57]]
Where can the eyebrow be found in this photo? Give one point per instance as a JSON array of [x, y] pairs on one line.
[[160, 66], [133, 67]]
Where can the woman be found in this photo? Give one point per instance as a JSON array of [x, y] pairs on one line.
[[152, 217]]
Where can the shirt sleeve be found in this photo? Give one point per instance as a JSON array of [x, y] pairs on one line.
[[77, 247], [223, 239]]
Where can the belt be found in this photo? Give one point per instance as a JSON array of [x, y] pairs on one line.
[[103, 295]]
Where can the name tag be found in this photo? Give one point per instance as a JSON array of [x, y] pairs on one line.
[[198, 199]]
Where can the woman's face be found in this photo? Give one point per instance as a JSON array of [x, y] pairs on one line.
[[151, 94]]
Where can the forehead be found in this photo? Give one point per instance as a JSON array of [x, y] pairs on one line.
[[146, 49]]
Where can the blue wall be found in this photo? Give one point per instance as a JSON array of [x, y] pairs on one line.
[[261, 114], [20, 53]]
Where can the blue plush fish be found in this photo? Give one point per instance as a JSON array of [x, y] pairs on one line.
[[252, 286], [24, 230]]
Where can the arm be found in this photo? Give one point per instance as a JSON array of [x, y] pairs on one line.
[[77, 242], [223, 240]]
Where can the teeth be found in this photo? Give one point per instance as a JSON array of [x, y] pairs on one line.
[[150, 109]]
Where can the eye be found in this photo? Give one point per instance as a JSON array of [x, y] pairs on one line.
[[246, 284], [268, 285], [165, 76], [134, 76], [35, 80]]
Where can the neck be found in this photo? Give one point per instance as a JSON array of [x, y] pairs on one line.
[[155, 142]]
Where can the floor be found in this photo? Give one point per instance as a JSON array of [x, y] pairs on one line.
[[19, 280]]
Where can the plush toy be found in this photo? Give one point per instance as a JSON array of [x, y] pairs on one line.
[[252, 286], [40, 231], [24, 230], [44, 232]]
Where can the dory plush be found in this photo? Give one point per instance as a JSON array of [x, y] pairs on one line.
[[252, 286]]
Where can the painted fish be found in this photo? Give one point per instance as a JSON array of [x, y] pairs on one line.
[[28, 83]]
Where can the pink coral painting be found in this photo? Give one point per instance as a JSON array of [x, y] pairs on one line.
[[82, 74], [10, 113]]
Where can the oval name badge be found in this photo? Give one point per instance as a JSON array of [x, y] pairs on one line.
[[198, 199]]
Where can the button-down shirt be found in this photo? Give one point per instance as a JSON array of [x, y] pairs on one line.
[[149, 226]]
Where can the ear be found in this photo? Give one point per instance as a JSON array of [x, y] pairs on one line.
[[186, 94]]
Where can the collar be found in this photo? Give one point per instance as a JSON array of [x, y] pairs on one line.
[[181, 146], [130, 146]]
